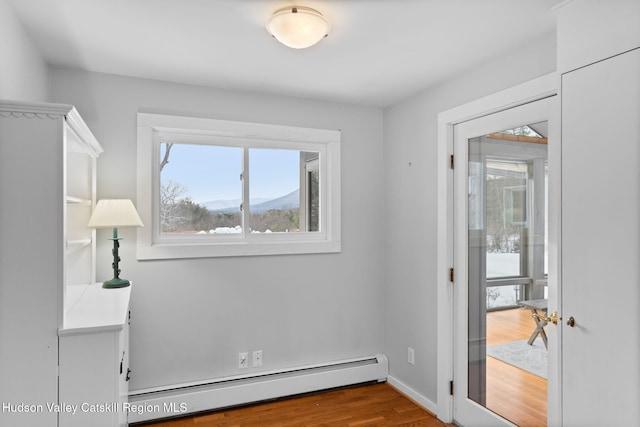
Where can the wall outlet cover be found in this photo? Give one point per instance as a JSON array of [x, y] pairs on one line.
[[243, 360], [257, 358]]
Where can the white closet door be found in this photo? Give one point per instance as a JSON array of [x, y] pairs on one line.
[[601, 242]]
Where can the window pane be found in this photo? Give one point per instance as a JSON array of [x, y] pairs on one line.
[[504, 296], [278, 201], [476, 195], [313, 201], [200, 189], [546, 220], [506, 204]]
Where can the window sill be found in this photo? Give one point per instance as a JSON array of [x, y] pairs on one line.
[[233, 249]]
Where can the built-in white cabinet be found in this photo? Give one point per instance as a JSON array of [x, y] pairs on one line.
[[599, 60], [94, 358], [600, 232], [57, 327]]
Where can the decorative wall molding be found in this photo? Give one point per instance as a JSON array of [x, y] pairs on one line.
[[40, 110], [28, 115], [53, 111]]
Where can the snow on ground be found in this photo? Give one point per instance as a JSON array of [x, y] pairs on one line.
[[503, 265]]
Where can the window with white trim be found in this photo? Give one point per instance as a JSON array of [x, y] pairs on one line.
[[209, 188]]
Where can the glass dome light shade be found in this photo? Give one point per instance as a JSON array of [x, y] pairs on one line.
[[298, 27]]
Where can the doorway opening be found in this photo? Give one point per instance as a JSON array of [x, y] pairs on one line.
[[537, 97]]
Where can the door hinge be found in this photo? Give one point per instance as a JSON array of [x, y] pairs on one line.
[[451, 388], [451, 162], [451, 275]]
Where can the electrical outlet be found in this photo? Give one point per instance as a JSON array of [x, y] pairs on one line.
[[243, 360], [257, 358], [411, 356]]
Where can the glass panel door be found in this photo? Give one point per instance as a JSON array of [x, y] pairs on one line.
[[506, 247]]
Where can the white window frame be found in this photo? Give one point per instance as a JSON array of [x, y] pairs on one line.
[[309, 166], [152, 128]]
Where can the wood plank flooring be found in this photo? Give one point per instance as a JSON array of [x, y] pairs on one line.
[[513, 393], [364, 406], [517, 395]]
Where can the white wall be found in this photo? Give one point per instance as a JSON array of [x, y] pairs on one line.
[[612, 29], [410, 166], [24, 73], [190, 318]]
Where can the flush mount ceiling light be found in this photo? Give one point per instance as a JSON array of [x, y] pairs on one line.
[[298, 27]]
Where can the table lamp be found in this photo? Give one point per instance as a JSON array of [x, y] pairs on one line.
[[115, 213]]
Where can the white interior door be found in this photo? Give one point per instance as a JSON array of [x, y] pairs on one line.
[[601, 242], [476, 153]]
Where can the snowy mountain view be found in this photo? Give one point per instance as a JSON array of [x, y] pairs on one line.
[[258, 205]]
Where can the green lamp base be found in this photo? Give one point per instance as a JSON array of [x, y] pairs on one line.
[[116, 282]]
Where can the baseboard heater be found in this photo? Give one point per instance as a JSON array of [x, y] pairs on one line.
[[221, 393]]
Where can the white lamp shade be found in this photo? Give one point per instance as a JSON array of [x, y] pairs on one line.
[[298, 27], [115, 213]]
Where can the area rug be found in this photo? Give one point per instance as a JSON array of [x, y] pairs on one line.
[[531, 358]]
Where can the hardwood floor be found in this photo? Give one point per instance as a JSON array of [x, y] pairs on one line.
[[515, 394], [370, 405]]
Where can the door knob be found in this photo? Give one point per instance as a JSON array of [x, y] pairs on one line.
[[571, 322], [551, 319]]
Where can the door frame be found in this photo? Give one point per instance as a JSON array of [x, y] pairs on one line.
[[533, 90], [469, 245]]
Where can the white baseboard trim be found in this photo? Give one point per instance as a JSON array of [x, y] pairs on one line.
[[412, 394], [184, 399]]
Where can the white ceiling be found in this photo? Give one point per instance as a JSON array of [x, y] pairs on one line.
[[377, 53]]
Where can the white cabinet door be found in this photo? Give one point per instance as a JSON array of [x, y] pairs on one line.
[[88, 379], [601, 242], [94, 359]]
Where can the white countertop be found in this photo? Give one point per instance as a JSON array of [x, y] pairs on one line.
[[92, 308]]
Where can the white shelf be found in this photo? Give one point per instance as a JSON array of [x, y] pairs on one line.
[[96, 309], [75, 245], [78, 201]]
